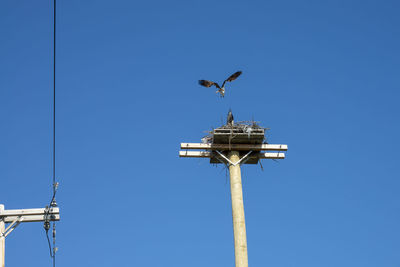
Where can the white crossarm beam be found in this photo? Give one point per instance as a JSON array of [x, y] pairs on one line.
[[28, 212], [255, 147], [32, 218], [271, 155], [208, 154], [30, 215], [195, 154]]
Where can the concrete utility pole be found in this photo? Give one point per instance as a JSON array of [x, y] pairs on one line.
[[233, 145], [239, 226], [15, 217], [2, 239]]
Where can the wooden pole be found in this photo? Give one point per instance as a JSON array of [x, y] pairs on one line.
[[239, 227], [2, 238]]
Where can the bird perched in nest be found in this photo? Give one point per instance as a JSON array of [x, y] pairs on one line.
[[229, 120], [221, 89]]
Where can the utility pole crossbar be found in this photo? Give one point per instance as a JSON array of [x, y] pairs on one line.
[[236, 147], [208, 154], [15, 217], [213, 151], [30, 215]]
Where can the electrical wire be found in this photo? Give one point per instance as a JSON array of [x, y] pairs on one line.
[[54, 100], [53, 203], [49, 243]]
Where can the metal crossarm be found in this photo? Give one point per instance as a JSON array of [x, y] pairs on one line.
[[209, 154], [235, 147], [30, 215]]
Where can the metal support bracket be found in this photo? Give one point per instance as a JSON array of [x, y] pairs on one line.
[[230, 162], [12, 226]]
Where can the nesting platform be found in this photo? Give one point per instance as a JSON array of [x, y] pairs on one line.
[[239, 133], [246, 137]]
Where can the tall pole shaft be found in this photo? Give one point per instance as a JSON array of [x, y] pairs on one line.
[[239, 227], [2, 238]]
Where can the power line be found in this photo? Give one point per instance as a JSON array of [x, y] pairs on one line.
[[54, 95], [53, 203]]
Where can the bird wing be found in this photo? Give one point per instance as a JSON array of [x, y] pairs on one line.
[[232, 77], [208, 83]]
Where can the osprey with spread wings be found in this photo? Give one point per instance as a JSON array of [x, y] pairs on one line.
[[221, 89]]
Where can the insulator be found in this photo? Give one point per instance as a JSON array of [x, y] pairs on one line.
[[46, 225], [53, 203]]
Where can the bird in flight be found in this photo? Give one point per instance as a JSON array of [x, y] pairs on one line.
[[221, 89]]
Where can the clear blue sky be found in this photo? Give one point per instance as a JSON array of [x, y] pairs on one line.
[[323, 75]]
